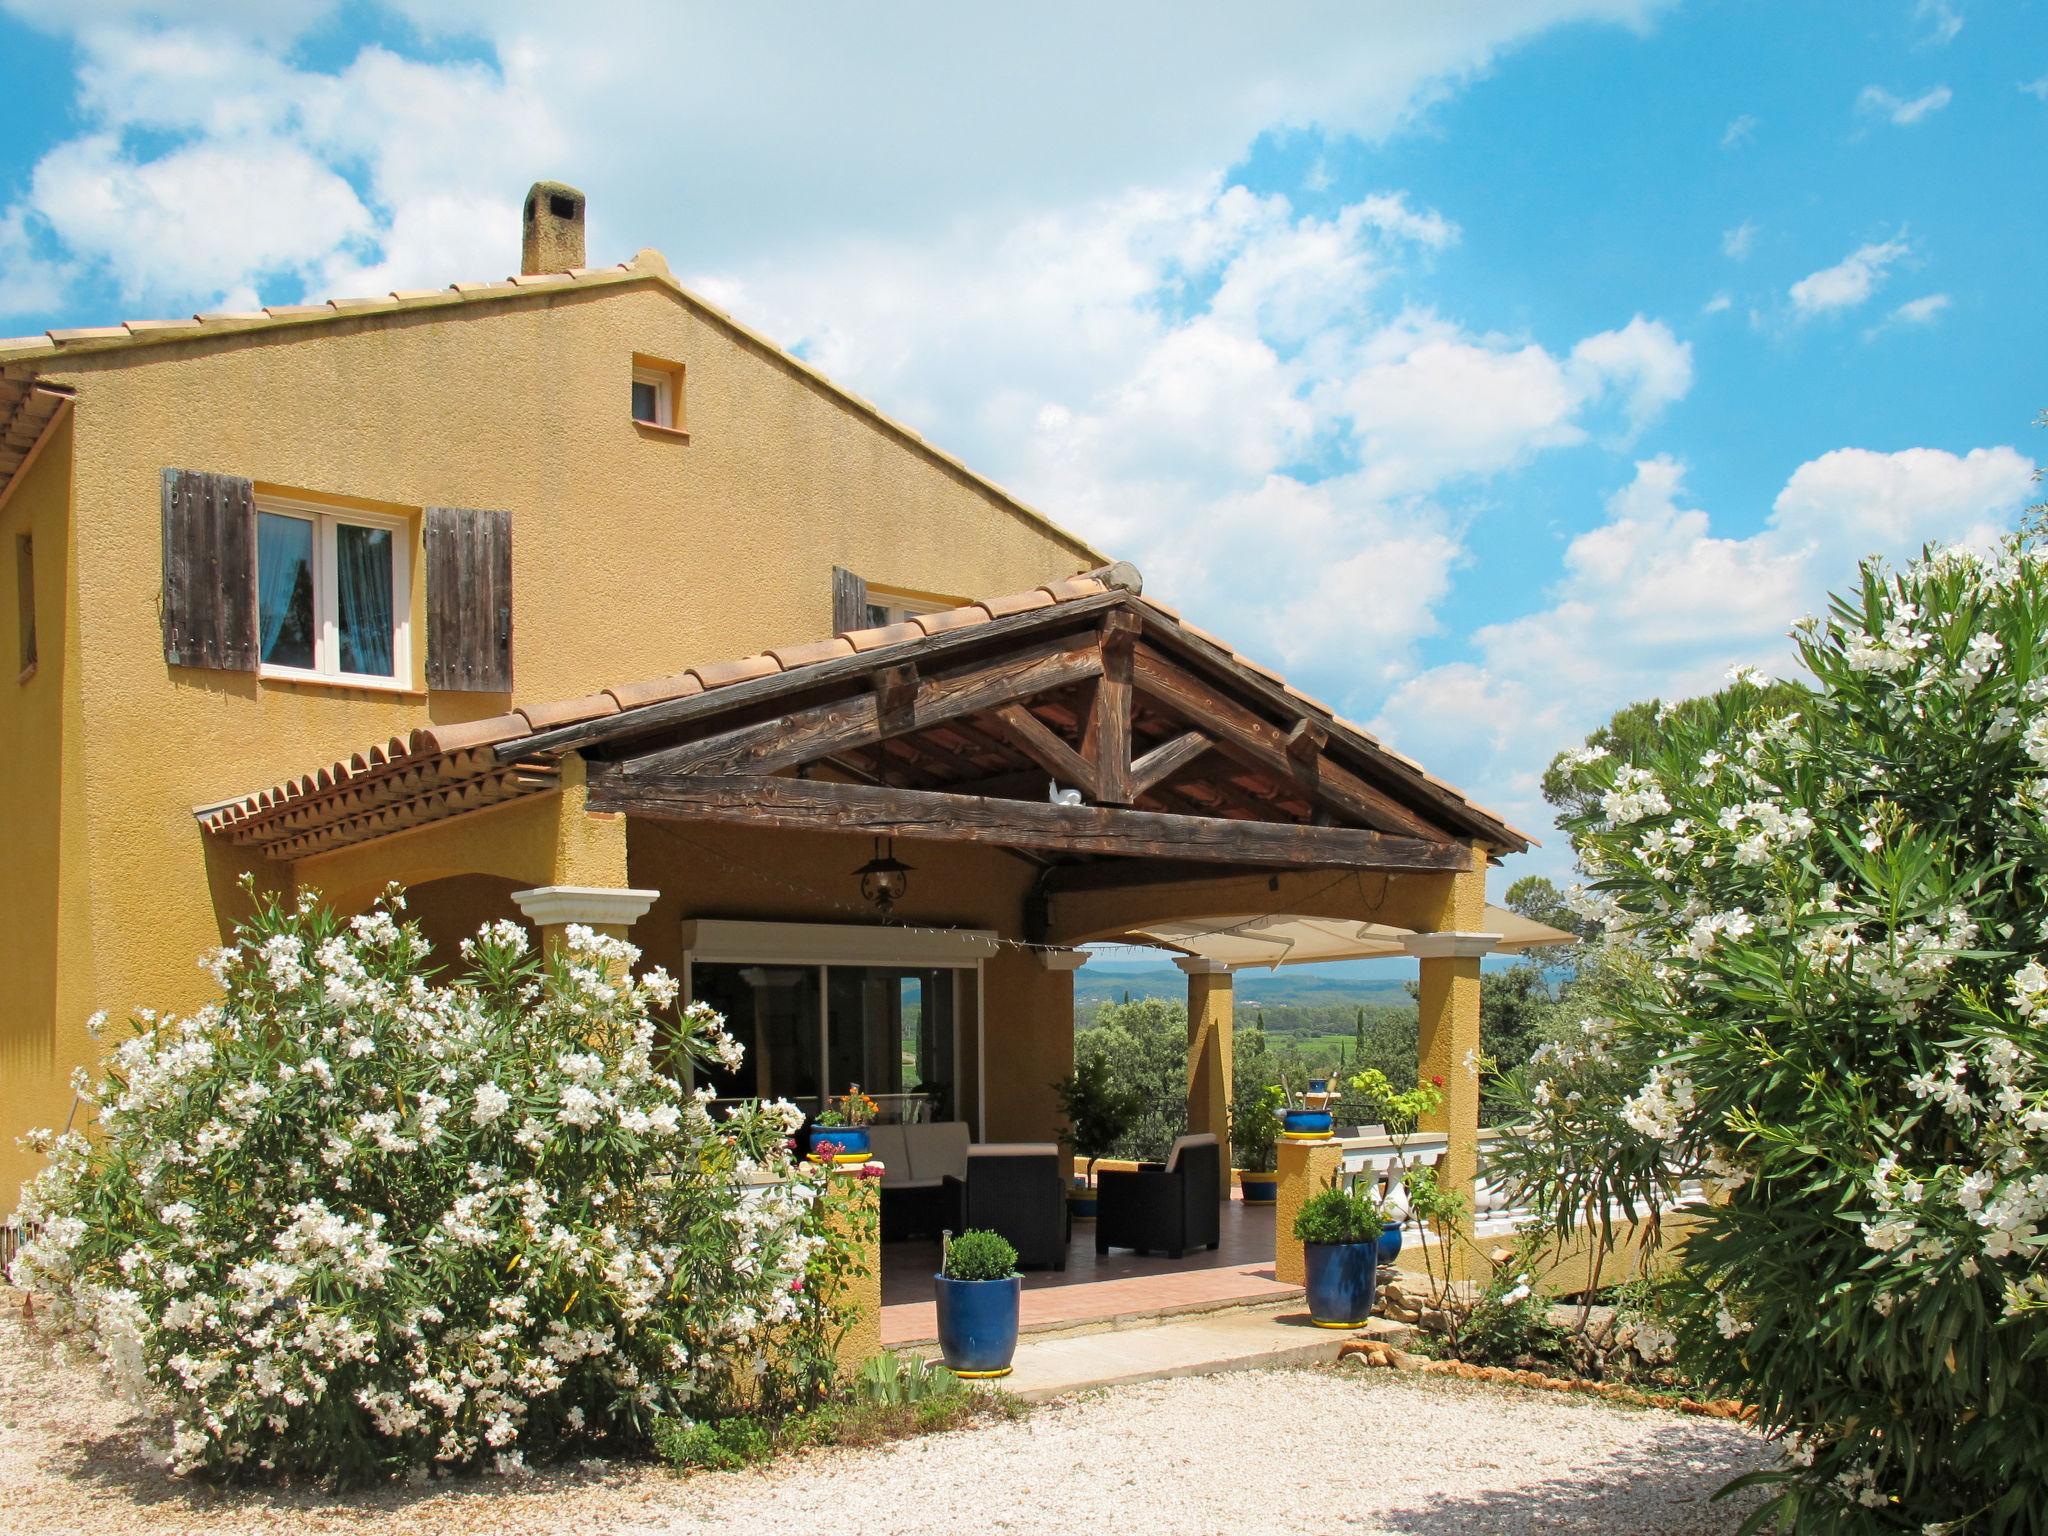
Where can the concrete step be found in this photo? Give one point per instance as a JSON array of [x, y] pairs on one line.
[[1237, 1339]]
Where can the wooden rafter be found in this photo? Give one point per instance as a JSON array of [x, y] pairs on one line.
[[1166, 759], [813, 805], [1045, 747]]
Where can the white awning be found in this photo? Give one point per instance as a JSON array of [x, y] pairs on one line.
[[1254, 940]]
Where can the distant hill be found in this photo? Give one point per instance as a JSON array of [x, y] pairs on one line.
[[1109, 984]]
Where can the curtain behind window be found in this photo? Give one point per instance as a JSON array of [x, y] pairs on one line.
[[362, 558]]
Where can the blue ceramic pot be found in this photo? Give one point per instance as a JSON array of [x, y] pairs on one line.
[[1305, 1124], [978, 1325], [1341, 1282], [1390, 1242], [1259, 1188], [840, 1143], [1319, 1085]]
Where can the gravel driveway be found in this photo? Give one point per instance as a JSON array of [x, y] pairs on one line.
[[1283, 1451]]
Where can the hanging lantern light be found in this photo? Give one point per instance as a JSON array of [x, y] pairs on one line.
[[884, 878]]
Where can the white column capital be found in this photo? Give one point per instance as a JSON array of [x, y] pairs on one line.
[[546, 906], [1450, 945], [1201, 965], [1063, 959]]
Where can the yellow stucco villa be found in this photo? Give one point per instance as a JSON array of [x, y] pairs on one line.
[[570, 599]]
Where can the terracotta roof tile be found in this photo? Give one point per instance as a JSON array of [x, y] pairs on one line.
[[1017, 602], [541, 279], [633, 695], [470, 733], [793, 656], [950, 618], [88, 333], [156, 327], [719, 673], [1073, 587], [281, 311], [875, 639], [27, 343], [413, 295], [590, 706], [225, 316]]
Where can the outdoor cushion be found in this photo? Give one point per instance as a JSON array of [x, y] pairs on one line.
[[937, 1151], [1204, 1139], [886, 1146]]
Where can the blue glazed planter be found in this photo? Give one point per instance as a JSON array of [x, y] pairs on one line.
[[1305, 1124], [1319, 1085], [1341, 1281], [978, 1325], [840, 1143], [1390, 1242], [1259, 1188]]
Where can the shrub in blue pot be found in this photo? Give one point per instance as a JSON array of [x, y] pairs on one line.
[[978, 1292], [1340, 1234]]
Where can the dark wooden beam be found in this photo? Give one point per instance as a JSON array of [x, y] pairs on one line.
[[1166, 759], [1107, 741], [1260, 744], [1118, 874], [859, 720], [1305, 742], [896, 694], [867, 810], [1043, 745], [927, 653]]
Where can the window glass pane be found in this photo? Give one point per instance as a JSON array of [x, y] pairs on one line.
[[772, 1010], [362, 590], [284, 589], [891, 1031], [646, 401]]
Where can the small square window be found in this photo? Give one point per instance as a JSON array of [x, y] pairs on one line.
[[657, 393], [333, 599]]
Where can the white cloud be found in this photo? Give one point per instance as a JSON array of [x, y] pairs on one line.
[[1924, 310], [2038, 89], [1740, 130], [1848, 282], [1875, 101], [1655, 603], [1716, 304], [1942, 19], [1736, 243]]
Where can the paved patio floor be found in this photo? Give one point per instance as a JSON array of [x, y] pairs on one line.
[[1109, 1289]]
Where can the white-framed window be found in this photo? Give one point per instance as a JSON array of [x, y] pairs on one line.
[[333, 594], [654, 397], [886, 608]]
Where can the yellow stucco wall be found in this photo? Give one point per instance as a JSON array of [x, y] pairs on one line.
[[636, 553]]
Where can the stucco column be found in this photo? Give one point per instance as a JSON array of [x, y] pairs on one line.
[[1209, 1053], [610, 910], [1449, 1050], [1306, 1168], [856, 1295]]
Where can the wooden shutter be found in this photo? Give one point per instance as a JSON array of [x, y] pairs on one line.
[[849, 601], [469, 600], [209, 601]]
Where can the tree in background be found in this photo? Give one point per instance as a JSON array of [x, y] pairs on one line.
[[1144, 1044]]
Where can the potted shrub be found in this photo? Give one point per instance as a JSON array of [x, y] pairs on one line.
[[978, 1291], [1099, 1115], [1254, 1136], [840, 1134], [1340, 1236]]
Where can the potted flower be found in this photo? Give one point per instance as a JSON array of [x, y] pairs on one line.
[[1099, 1115], [840, 1134], [1301, 1123], [1339, 1233], [1254, 1135], [978, 1291], [1400, 1113]]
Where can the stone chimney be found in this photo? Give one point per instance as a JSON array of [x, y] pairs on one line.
[[553, 237]]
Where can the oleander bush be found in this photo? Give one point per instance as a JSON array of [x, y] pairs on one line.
[[1826, 920], [351, 1220]]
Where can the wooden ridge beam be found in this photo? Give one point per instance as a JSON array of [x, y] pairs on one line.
[[863, 720], [867, 810], [1259, 744]]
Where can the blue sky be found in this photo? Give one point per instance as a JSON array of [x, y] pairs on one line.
[[1485, 366]]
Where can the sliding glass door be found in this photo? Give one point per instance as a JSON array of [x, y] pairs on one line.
[[812, 1032]]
